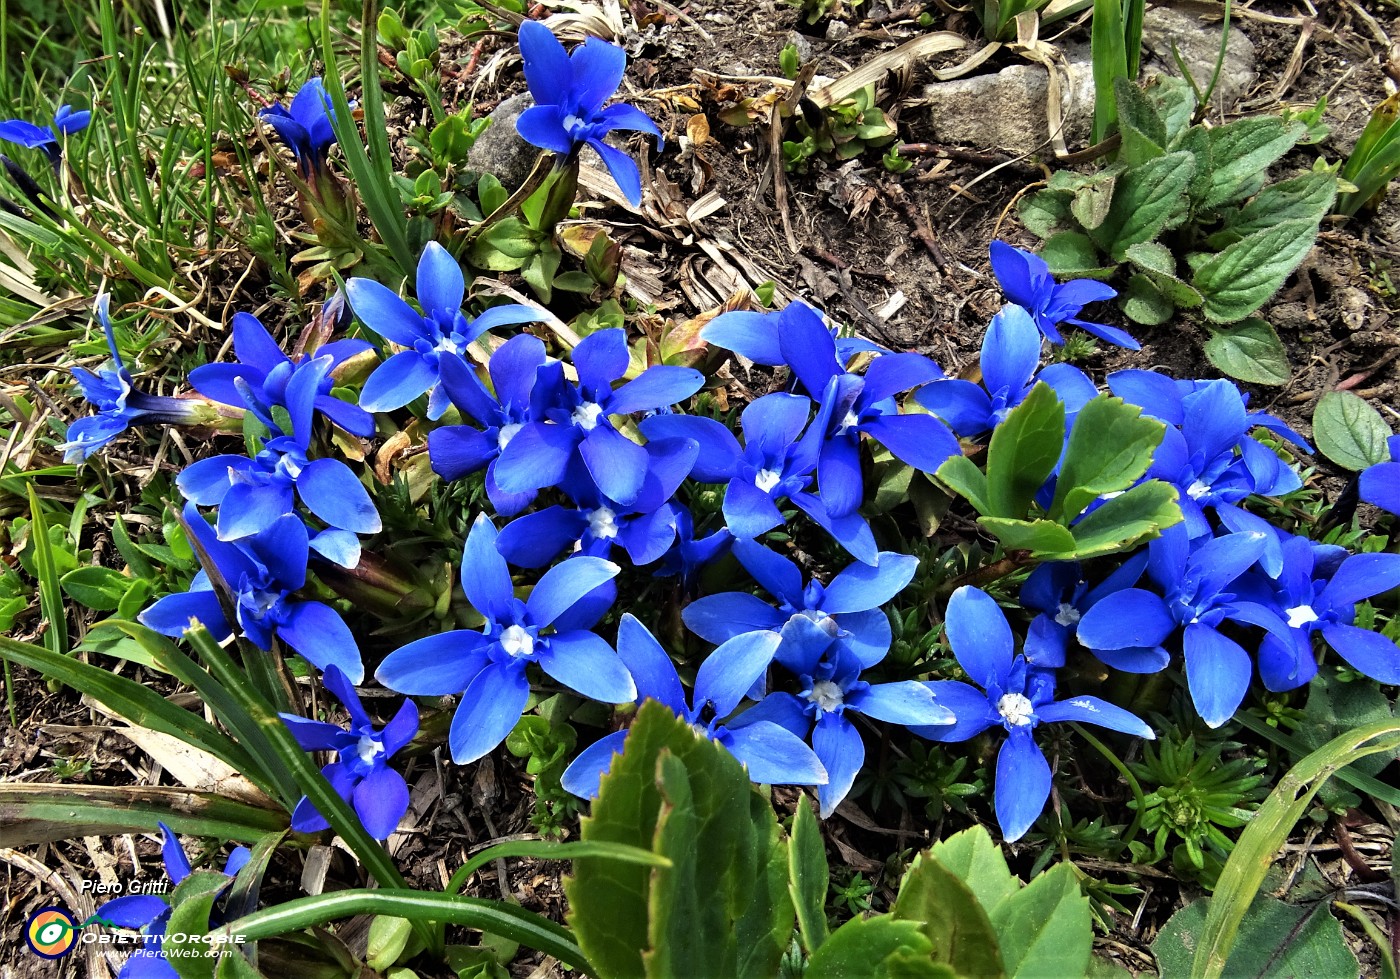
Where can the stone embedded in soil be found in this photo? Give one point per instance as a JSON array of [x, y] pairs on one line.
[[499, 150], [1006, 110]]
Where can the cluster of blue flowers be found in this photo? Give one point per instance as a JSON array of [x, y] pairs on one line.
[[590, 469]]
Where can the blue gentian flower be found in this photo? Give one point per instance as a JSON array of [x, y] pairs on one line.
[[1010, 355], [828, 671], [1059, 592], [150, 913], [441, 330], [488, 668], [66, 122], [119, 405], [1316, 593], [578, 427], [569, 92], [775, 463], [848, 609], [459, 450], [690, 554], [360, 773], [1015, 696], [306, 127], [1127, 628], [756, 335], [252, 494], [264, 372], [772, 755], [1027, 282], [261, 573], [645, 528], [1164, 398], [1380, 484], [852, 404]]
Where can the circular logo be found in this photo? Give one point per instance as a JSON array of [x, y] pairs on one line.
[[51, 933]]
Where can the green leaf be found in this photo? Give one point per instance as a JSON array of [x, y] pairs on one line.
[[978, 862], [1110, 448], [1092, 201], [1277, 940], [1349, 431], [1244, 149], [388, 937], [191, 902], [505, 246], [807, 877], [1046, 212], [1144, 132], [1334, 708], [1307, 197], [1250, 351], [961, 475], [1040, 537], [1245, 275], [46, 570], [1045, 929], [1123, 522], [1142, 302], [1143, 201], [1152, 256], [1071, 253], [99, 588], [875, 948], [1175, 104], [951, 918], [1023, 451]]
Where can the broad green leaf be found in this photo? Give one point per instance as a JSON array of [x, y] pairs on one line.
[[1142, 302], [1045, 929], [1046, 212], [1253, 855], [1175, 103], [233, 965], [1144, 133], [807, 877], [1249, 351], [388, 937], [1041, 537], [1244, 276], [1110, 448], [1276, 941], [1143, 201], [38, 813], [978, 862], [961, 475], [882, 947], [1244, 149], [1023, 451], [1071, 253], [1102, 968], [1307, 197], [99, 588], [951, 918], [1092, 201], [1152, 256], [1196, 141], [1139, 514], [192, 901], [1349, 431], [505, 246]]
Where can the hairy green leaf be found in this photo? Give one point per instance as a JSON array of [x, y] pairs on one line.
[[1276, 941], [1349, 431], [1245, 275], [1307, 197], [1143, 202], [1243, 150], [1249, 351]]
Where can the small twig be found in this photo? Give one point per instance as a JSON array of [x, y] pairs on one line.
[[901, 200], [1354, 860]]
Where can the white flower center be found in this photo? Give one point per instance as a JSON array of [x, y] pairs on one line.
[[1300, 615], [602, 523], [517, 642], [850, 421], [369, 748], [1197, 490], [1016, 709], [447, 346], [824, 621], [586, 415], [767, 479], [826, 695], [1066, 614], [506, 433]]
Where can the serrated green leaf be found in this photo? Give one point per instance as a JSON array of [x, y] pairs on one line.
[[961, 475], [1046, 212], [808, 877], [1349, 431], [1245, 275], [951, 917], [1144, 200], [978, 862], [1110, 448], [1243, 150], [1123, 522], [1023, 451], [1250, 351], [1045, 928], [1307, 197], [865, 947], [1277, 940], [1040, 537]]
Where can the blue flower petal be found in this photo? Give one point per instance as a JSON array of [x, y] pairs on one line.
[[170, 615], [207, 481], [584, 662], [1134, 659], [777, 574], [623, 169], [177, 864], [656, 387], [249, 508], [489, 710], [888, 375], [381, 801], [860, 587], [384, 312], [547, 69], [538, 456], [597, 68], [1022, 784], [1092, 710], [652, 670], [962, 405], [1217, 673], [315, 735], [317, 632], [808, 347], [543, 126], [254, 345], [439, 283], [617, 464], [1366, 651], [563, 585], [533, 540], [970, 707], [748, 511], [485, 576], [397, 381], [586, 771], [838, 475], [435, 666], [842, 753], [623, 116], [1380, 486], [728, 672], [870, 634], [907, 702], [330, 491], [352, 418], [1362, 576], [1133, 617], [1010, 350], [980, 636], [133, 911], [600, 359], [775, 756], [719, 450], [749, 334], [719, 618]]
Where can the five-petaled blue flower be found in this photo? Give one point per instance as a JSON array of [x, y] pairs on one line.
[[261, 574], [569, 92], [441, 330], [66, 122], [119, 405], [261, 377], [1027, 282], [550, 628], [360, 773], [1058, 591], [757, 336], [1015, 696], [306, 127], [150, 913], [772, 755], [1010, 355]]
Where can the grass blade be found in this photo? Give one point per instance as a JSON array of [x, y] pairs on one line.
[[31, 814], [50, 595]]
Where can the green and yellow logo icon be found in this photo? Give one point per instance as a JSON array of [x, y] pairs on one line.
[[52, 932]]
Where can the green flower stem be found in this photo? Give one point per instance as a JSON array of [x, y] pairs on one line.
[[544, 167], [1139, 802]]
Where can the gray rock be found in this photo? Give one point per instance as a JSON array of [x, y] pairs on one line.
[[1006, 110], [837, 30], [802, 43], [499, 150]]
